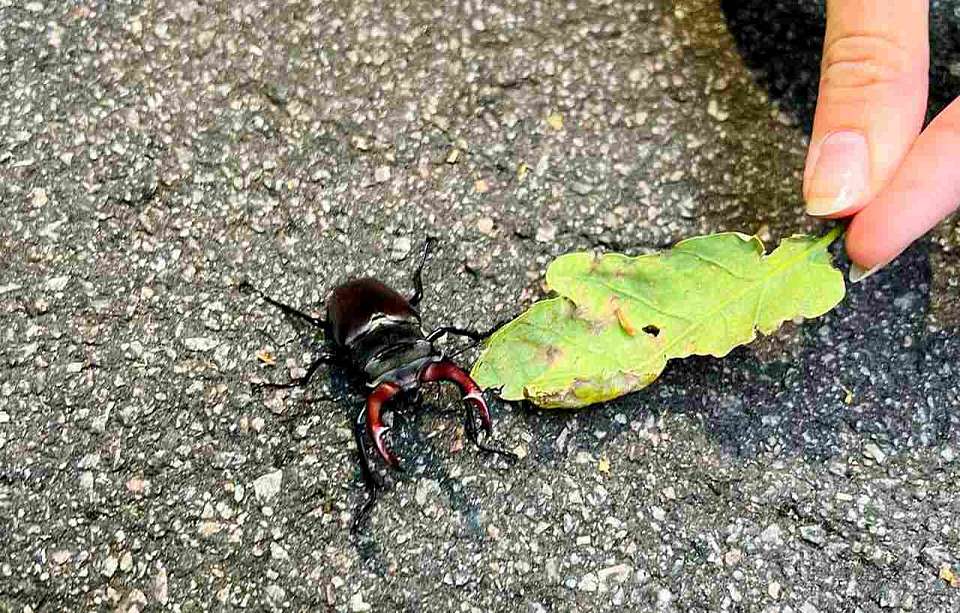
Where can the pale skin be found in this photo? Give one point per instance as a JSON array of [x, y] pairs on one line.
[[868, 158]]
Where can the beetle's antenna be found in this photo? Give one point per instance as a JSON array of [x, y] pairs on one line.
[[445, 370], [470, 428]]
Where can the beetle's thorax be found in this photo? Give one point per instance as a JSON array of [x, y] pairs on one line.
[[392, 350]]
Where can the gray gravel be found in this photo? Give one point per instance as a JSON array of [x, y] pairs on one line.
[[151, 158]]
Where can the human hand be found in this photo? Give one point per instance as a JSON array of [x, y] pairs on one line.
[[868, 158]]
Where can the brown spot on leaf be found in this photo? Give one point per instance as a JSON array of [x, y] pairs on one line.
[[554, 355], [550, 354]]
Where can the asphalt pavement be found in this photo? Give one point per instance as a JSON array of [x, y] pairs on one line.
[[154, 155]]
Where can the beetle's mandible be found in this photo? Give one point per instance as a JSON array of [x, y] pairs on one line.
[[377, 334]]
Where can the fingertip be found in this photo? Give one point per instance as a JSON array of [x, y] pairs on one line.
[[828, 210], [868, 242], [837, 178]]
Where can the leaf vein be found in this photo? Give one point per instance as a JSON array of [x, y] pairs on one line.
[[633, 296], [827, 239], [713, 262]]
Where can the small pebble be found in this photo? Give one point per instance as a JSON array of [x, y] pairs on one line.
[[401, 248], [381, 174], [485, 225], [267, 486]]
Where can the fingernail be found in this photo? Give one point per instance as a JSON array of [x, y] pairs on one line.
[[841, 173], [858, 273]]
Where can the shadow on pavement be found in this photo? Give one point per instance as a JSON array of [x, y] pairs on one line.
[[869, 371], [782, 41]]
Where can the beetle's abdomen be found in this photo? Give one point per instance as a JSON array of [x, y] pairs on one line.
[[357, 306]]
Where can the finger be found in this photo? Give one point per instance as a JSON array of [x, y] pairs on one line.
[[873, 95], [924, 190]]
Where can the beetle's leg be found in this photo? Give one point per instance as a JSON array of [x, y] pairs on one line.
[[448, 371], [323, 358], [418, 274], [285, 308], [370, 481], [382, 394]]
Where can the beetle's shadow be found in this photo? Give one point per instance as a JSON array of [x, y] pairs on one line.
[[433, 457], [871, 370], [423, 456], [782, 43]]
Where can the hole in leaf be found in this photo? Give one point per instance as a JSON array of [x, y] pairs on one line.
[[652, 330]]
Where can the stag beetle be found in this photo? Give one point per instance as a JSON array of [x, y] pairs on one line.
[[377, 336]]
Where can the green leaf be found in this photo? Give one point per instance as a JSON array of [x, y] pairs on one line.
[[618, 319]]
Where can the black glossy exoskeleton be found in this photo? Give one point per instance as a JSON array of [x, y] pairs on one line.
[[377, 334]]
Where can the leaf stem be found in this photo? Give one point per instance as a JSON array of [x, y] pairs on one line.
[[836, 232]]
